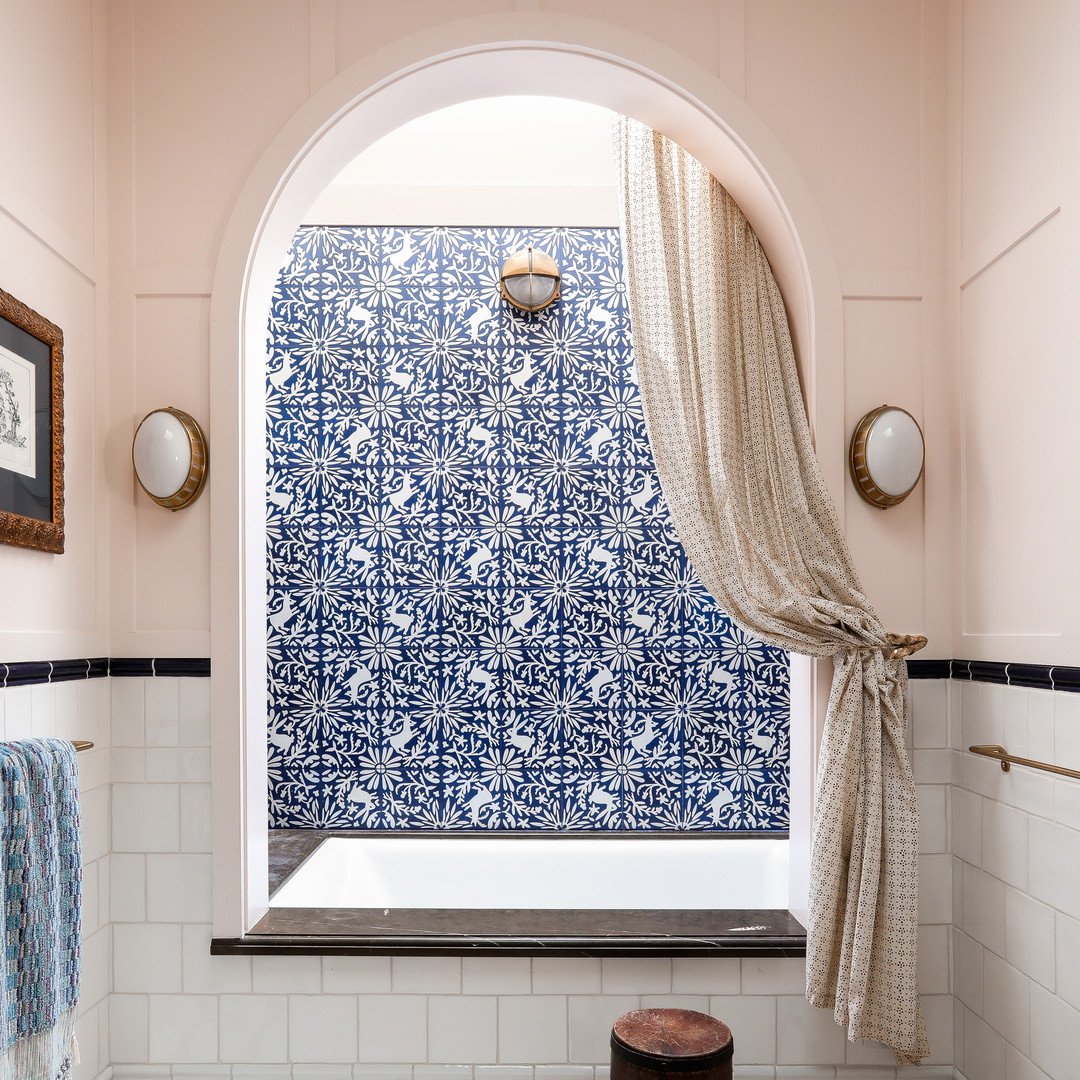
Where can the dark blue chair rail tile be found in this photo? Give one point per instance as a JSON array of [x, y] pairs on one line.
[[26, 673], [193, 667], [1066, 678], [1034, 675], [131, 666], [929, 669], [988, 671], [34, 672]]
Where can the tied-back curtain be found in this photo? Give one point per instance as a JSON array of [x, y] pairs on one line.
[[728, 427]]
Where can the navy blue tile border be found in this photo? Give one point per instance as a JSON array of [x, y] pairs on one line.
[[192, 667], [136, 667], [30, 672], [27, 673], [929, 669], [984, 671], [1037, 676], [1066, 678], [36, 672], [131, 667]]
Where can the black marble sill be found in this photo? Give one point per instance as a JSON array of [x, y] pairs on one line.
[[437, 932]]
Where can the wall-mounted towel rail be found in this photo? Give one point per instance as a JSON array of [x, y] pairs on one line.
[[82, 744], [999, 753]]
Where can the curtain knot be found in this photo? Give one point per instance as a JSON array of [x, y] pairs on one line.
[[896, 646], [901, 645]]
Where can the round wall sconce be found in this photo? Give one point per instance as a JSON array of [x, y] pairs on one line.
[[169, 455], [530, 280], [886, 456]]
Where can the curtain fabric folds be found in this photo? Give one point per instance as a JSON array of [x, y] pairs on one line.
[[726, 418]]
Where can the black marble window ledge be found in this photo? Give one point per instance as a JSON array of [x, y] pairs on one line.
[[36, 672], [438, 932]]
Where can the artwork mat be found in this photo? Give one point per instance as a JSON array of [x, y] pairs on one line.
[[19, 375], [45, 532]]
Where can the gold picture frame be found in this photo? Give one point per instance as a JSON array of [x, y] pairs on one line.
[[31, 428]]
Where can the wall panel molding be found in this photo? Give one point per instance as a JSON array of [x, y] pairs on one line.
[[1004, 241]]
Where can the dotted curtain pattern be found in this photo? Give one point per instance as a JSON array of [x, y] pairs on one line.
[[480, 616], [728, 429]]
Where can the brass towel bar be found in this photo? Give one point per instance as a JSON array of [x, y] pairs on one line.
[[999, 753], [82, 744]]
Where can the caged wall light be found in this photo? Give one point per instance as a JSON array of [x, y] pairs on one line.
[[530, 280]]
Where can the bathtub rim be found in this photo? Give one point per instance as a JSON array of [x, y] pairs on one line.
[[730, 932], [290, 849]]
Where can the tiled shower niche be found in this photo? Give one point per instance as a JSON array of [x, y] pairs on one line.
[[480, 617]]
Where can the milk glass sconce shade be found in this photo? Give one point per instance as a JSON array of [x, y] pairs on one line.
[[169, 455], [530, 280], [886, 456]]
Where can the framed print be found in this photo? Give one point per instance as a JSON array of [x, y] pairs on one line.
[[31, 428]]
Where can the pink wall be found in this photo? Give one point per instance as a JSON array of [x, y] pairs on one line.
[[53, 248], [855, 126], [866, 129], [936, 140], [1012, 274]]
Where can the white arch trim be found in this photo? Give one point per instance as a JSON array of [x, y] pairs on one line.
[[586, 60]]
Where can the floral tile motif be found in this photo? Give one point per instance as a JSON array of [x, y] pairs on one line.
[[480, 616]]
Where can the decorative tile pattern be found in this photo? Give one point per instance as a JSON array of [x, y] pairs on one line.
[[480, 616]]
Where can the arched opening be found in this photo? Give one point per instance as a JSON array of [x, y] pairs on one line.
[[356, 109]]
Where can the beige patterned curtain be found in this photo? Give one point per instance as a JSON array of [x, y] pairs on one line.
[[728, 427]]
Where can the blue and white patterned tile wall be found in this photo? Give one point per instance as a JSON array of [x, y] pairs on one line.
[[480, 617]]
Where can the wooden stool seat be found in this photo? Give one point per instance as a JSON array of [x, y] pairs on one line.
[[648, 1044]]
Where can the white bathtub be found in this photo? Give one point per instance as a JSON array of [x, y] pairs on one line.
[[583, 874]]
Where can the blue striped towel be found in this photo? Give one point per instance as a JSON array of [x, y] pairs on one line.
[[41, 904]]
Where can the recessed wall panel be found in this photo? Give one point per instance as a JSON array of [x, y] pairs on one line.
[[883, 366], [1018, 85], [172, 548], [47, 85], [212, 84], [1018, 399], [840, 84]]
